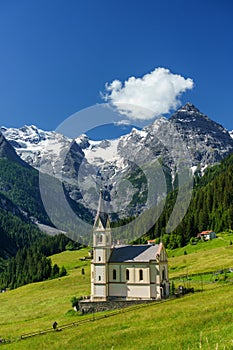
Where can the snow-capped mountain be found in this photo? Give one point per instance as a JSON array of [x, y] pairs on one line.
[[231, 133], [121, 165], [8, 152], [34, 145]]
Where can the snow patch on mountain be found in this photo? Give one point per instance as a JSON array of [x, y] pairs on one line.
[[102, 152], [34, 145]]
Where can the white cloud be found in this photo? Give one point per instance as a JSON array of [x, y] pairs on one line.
[[122, 122], [147, 97]]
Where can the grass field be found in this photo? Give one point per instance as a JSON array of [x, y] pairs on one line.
[[203, 320], [203, 257]]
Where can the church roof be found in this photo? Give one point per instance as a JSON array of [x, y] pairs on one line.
[[135, 253]]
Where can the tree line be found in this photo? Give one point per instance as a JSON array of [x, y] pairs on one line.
[[31, 264]]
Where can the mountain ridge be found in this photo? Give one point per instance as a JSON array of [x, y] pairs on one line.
[[86, 165]]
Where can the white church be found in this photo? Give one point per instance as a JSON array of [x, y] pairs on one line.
[[126, 272]]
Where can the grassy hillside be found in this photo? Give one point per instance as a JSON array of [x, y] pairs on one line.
[[209, 256], [202, 320]]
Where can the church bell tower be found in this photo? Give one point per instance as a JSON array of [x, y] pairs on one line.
[[102, 242]]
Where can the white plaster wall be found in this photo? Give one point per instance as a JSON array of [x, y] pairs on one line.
[[138, 291], [118, 290], [99, 291], [99, 270], [100, 253]]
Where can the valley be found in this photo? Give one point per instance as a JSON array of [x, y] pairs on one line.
[[205, 316], [121, 166]]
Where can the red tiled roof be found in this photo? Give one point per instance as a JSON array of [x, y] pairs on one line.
[[205, 232]]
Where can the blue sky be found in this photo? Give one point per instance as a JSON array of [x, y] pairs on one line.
[[56, 56]]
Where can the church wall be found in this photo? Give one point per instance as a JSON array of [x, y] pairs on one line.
[[134, 272], [138, 291], [101, 255], [118, 290], [153, 272], [129, 291], [99, 291], [100, 274], [134, 287], [153, 291], [163, 271]]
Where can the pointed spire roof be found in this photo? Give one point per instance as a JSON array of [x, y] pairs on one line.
[[102, 219]]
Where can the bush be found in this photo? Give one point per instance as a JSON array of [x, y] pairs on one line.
[[75, 302], [193, 240]]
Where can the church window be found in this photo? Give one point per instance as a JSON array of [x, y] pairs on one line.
[[140, 275], [101, 239], [99, 278], [127, 274], [163, 274], [99, 258], [114, 274]]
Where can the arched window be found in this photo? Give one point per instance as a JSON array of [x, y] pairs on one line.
[[101, 239], [114, 274], [99, 258], [127, 274], [140, 275], [99, 278]]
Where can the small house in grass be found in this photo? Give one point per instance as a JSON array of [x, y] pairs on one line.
[[151, 241], [206, 235]]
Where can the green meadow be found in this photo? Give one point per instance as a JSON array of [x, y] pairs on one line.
[[203, 320]]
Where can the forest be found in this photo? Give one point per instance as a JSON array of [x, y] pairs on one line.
[[31, 264], [211, 207]]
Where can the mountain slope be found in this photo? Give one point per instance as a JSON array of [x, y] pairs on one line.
[[8, 152], [85, 165], [21, 205], [21, 185], [211, 207], [207, 141]]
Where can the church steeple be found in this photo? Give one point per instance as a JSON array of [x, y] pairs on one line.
[[101, 228], [102, 241], [102, 221]]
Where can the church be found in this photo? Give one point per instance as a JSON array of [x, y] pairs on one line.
[[126, 272]]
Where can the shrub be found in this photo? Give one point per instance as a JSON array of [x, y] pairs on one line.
[[75, 302]]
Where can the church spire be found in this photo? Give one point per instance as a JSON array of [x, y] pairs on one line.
[[101, 219]]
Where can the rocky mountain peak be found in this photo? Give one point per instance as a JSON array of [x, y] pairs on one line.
[[83, 141], [189, 117], [189, 114], [188, 107]]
